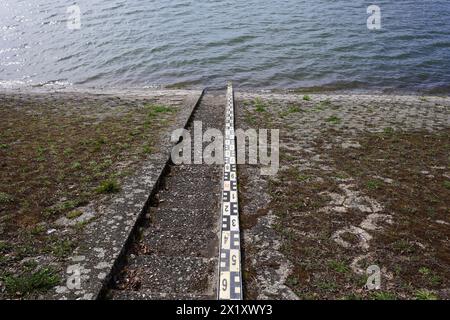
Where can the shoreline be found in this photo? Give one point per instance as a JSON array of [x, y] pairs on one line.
[[313, 90]]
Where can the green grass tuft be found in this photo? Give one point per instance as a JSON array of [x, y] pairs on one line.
[[322, 105], [41, 280], [333, 119], [61, 248], [303, 177], [37, 230], [338, 266], [384, 296], [425, 295], [147, 149], [154, 109], [388, 130], [63, 206], [5, 198], [327, 285], [373, 184], [108, 186], [294, 109], [447, 184], [424, 271], [73, 214], [76, 166], [259, 105], [5, 247]]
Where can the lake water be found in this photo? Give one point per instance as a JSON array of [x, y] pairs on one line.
[[256, 43]]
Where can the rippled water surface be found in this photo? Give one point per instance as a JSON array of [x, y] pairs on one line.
[[256, 43]]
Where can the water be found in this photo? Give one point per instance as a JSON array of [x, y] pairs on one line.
[[256, 43]]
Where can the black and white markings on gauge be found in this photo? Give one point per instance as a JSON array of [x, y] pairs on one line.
[[230, 277]]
